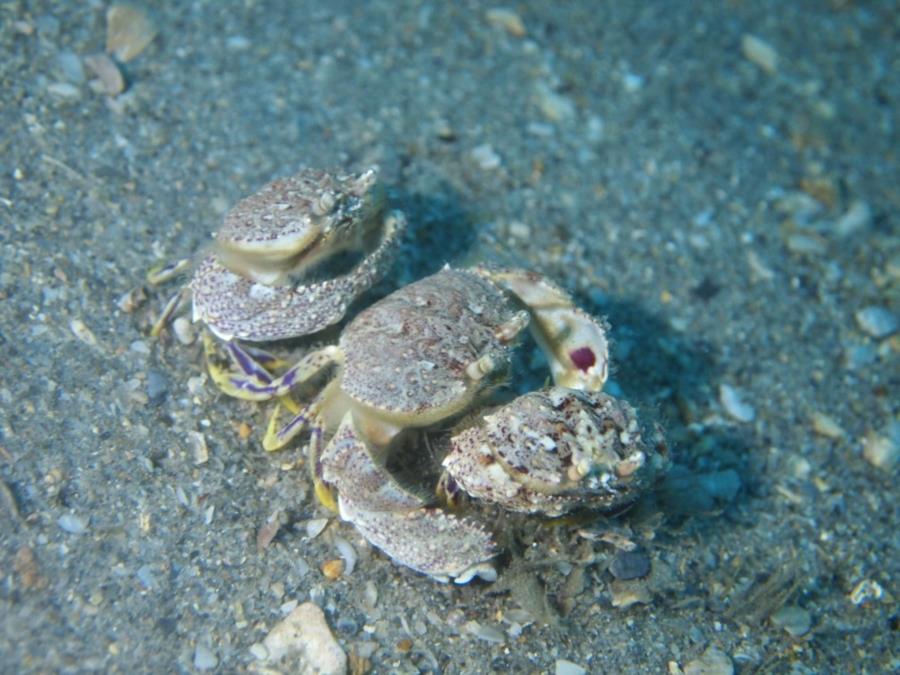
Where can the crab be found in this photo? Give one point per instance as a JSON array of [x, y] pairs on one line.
[[264, 281], [547, 452], [422, 356]]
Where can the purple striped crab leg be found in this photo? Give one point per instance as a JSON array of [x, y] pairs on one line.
[[254, 383], [248, 361], [308, 417]]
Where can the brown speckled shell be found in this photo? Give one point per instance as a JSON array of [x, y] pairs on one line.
[[409, 351]]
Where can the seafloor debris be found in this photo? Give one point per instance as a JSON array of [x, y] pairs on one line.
[[129, 30], [304, 636]]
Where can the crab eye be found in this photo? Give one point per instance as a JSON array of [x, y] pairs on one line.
[[583, 358]]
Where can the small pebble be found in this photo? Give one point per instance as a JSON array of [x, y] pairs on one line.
[[333, 569], [315, 526], [259, 651], [268, 531], [244, 430], [444, 131], [555, 107], [129, 29], [107, 72], [26, 566], [821, 188], [712, 662], [64, 90], [184, 331], [734, 405], [140, 347], [199, 449], [630, 565], [82, 332], [157, 386], [485, 157], [306, 633], [131, 300], [806, 244], [70, 67], [507, 19], [347, 626], [881, 451], [145, 576], [877, 321], [795, 620], [238, 43], [564, 667], [371, 595], [859, 355], [799, 467], [72, 524], [801, 207], [866, 590], [856, 219], [823, 425], [485, 632], [759, 52], [632, 83], [204, 659], [347, 553], [23, 27], [627, 593], [519, 230]]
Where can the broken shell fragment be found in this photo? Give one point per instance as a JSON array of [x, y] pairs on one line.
[[129, 29]]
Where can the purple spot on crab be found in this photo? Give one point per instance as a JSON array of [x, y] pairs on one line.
[[583, 358]]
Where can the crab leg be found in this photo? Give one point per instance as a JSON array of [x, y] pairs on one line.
[[574, 342], [249, 363], [308, 417], [489, 361], [173, 306], [167, 272], [253, 383], [161, 275], [395, 520]]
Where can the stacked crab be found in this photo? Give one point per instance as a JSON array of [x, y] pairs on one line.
[[422, 360]]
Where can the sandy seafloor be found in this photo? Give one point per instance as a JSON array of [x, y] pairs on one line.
[[730, 216]]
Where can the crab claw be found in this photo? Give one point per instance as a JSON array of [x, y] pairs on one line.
[[397, 521], [574, 341], [235, 306], [555, 450], [430, 541]]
